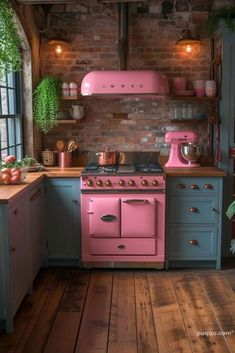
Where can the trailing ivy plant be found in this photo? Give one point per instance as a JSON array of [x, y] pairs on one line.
[[10, 41], [46, 103], [227, 14]]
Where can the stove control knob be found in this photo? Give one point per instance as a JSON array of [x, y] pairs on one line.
[[89, 182], [144, 182], [155, 183], [131, 182], [108, 183], [122, 182], [99, 182]]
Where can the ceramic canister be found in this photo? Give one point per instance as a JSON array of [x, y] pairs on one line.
[[210, 88], [199, 88]]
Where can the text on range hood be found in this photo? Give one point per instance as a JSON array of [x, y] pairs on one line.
[[110, 82]]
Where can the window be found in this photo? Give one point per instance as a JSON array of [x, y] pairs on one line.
[[11, 122]]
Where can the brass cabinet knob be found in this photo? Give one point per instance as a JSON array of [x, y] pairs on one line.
[[89, 182], [208, 186], [122, 182], [16, 211], [12, 249], [131, 182], [180, 186], [121, 246], [194, 187], [155, 183], [99, 182], [193, 210], [144, 182], [193, 242], [108, 183]]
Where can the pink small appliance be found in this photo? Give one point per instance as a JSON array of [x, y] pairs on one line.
[[181, 141]]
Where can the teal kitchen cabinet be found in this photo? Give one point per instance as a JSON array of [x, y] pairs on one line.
[[193, 230], [36, 239], [226, 40], [15, 261], [62, 221]]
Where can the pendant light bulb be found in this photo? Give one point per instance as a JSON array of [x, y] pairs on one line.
[[188, 49], [58, 50]]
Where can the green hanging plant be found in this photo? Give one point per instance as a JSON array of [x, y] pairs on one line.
[[10, 41], [227, 14], [46, 103]]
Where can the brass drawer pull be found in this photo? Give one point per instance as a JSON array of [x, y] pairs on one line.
[[193, 242], [193, 210], [121, 246], [12, 249], [194, 187], [16, 211], [180, 186], [208, 186]]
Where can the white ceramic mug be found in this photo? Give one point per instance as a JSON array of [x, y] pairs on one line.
[[77, 111]]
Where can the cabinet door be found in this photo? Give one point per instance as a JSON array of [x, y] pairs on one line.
[[138, 216], [36, 229], [104, 217], [19, 253], [62, 218]]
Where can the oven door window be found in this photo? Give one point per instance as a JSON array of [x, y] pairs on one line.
[[104, 216], [138, 216]]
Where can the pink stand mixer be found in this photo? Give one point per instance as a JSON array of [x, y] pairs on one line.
[[184, 150]]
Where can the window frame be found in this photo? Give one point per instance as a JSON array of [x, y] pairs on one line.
[[12, 145]]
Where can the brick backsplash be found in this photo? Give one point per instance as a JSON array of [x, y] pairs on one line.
[[125, 124]]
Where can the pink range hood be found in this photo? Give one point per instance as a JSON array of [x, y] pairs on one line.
[[125, 82]]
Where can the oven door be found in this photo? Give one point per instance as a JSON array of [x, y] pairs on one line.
[[104, 216], [138, 214]]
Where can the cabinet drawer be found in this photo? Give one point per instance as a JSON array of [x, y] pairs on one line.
[[134, 246], [193, 186], [194, 209], [188, 243]]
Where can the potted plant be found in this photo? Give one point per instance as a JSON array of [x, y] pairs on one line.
[[46, 103], [227, 14], [10, 41]]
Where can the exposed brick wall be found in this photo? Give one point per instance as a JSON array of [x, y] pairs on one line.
[[126, 124]]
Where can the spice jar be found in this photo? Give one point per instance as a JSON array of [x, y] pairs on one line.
[[73, 89], [65, 89]]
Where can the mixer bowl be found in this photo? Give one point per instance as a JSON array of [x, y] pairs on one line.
[[191, 151]]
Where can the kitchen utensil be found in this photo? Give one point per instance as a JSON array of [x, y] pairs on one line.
[[107, 157], [77, 111], [191, 151], [71, 146], [60, 145], [186, 157]]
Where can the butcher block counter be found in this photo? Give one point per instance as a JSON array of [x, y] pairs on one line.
[[195, 172], [8, 192]]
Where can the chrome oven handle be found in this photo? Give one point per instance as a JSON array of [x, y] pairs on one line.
[[136, 201], [109, 218]]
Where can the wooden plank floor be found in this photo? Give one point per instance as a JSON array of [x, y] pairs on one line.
[[126, 311]]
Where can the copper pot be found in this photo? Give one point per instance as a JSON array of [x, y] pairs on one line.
[[107, 157]]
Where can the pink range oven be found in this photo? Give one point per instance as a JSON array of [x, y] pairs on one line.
[[123, 216]]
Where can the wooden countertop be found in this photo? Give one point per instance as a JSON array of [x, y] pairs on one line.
[[195, 172], [8, 192]]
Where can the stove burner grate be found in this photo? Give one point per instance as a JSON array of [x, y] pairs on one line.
[[148, 167]]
